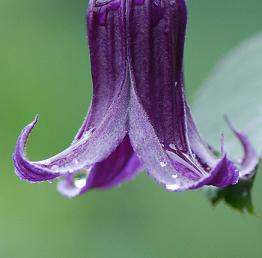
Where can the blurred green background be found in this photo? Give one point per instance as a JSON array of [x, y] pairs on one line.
[[44, 69]]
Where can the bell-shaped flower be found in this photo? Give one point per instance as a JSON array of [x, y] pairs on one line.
[[139, 117]]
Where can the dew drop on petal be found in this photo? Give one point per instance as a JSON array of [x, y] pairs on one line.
[[80, 183], [163, 163], [88, 133], [172, 187], [172, 146], [102, 2]]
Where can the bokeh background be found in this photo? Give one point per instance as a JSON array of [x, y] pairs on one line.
[[44, 69]]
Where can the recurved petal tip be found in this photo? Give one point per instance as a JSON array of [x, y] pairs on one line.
[[250, 158], [24, 169]]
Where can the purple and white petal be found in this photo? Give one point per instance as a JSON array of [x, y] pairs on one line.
[[106, 124], [122, 165], [139, 112], [250, 158]]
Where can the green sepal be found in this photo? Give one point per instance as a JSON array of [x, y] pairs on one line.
[[237, 196]]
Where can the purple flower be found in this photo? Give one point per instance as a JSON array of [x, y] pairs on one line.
[[139, 117]]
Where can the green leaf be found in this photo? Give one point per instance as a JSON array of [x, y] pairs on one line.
[[233, 89], [237, 196]]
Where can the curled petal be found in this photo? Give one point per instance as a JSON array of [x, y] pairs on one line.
[[23, 168], [100, 134], [93, 147], [250, 158], [224, 174]]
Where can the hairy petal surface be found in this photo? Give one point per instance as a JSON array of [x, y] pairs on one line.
[[162, 130], [139, 112], [106, 38], [106, 124], [122, 165], [93, 147], [155, 63]]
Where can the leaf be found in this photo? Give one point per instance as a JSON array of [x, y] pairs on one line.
[[238, 196], [234, 89]]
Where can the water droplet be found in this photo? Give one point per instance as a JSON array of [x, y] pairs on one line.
[[75, 161], [80, 179], [102, 2], [172, 146], [172, 187], [80, 183], [88, 133], [174, 176], [163, 163]]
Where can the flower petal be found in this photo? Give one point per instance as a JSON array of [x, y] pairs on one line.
[[93, 147], [156, 57], [250, 158], [108, 58], [175, 170], [122, 165], [224, 174], [161, 128], [106, 124], [22, 168], [157, 114]]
